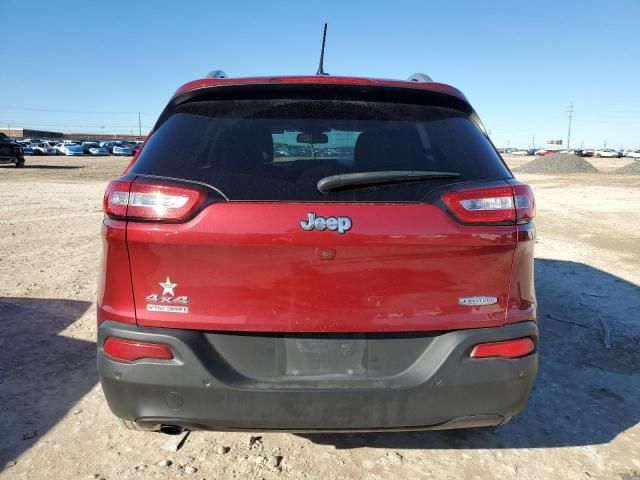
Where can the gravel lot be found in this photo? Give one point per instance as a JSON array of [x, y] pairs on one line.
[[581, 422], [557, 163]]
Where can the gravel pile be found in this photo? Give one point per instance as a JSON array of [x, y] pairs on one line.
[[631, 169], [558, 163]]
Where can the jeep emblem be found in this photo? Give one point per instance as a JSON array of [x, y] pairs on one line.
[[341, 224]]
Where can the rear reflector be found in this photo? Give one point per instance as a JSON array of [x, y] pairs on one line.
[[153, 201], [132, 350], [507, 349], [492, 206]]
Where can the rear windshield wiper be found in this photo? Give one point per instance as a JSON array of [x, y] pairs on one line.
[[367, 179]]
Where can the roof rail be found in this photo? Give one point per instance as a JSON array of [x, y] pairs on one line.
[[216, 74], [419, 77]]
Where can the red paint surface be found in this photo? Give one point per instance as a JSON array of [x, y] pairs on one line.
[[115, 298], [250, 267]]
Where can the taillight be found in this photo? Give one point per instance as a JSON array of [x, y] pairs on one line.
[[525, 203], [146, 200], [506, 349], [132, 350], [116, 198], [492, 206], [485, 205]]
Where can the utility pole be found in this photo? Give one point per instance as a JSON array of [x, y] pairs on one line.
[[533, 142], [139, 126], [570, 111]]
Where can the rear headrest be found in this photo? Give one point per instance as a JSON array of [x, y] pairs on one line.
[[388, 149], [243, 147]]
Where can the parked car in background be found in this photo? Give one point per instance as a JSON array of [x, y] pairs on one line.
[[26, 148], [520, 153], [634, 154], [69, 149], [42, 148], [135, 147], [627, 152], [110, 144], [607, 153], [542, 152], [98, 151], [10, 151], [87, 146], [587, 152], [121, 150]]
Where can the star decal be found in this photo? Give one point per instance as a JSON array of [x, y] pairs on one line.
[[168, 287]]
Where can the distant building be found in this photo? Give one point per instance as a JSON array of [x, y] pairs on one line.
[[104, 136], [32, 133]]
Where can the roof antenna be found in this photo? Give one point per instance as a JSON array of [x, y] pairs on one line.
[[324, 37]]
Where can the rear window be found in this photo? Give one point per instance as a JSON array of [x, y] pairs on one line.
[[278, 149]]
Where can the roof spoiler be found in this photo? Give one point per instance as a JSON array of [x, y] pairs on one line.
[[416, 77]]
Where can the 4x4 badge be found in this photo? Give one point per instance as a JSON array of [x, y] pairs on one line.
[[167, 302], [341, 224]]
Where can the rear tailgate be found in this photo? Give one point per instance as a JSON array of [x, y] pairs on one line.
[[249, 261], [250, 267]]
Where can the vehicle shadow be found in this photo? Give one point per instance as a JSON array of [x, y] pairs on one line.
[[45, 167], [585, 393], [42, 373]]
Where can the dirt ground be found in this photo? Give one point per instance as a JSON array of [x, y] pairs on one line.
[[581, 422]]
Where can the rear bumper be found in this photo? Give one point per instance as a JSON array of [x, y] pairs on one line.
[[201, 389]]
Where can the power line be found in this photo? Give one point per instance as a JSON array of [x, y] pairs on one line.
[[75, 125], [611, 111], [610, 122], [84, 112]]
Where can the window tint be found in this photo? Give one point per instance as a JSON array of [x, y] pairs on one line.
[[278, 149]]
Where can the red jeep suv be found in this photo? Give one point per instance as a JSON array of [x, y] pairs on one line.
[[317, 253]]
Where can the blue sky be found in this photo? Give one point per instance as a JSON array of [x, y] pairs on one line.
[[80, 65]]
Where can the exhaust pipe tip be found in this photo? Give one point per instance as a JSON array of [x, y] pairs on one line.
[[171, 429]]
